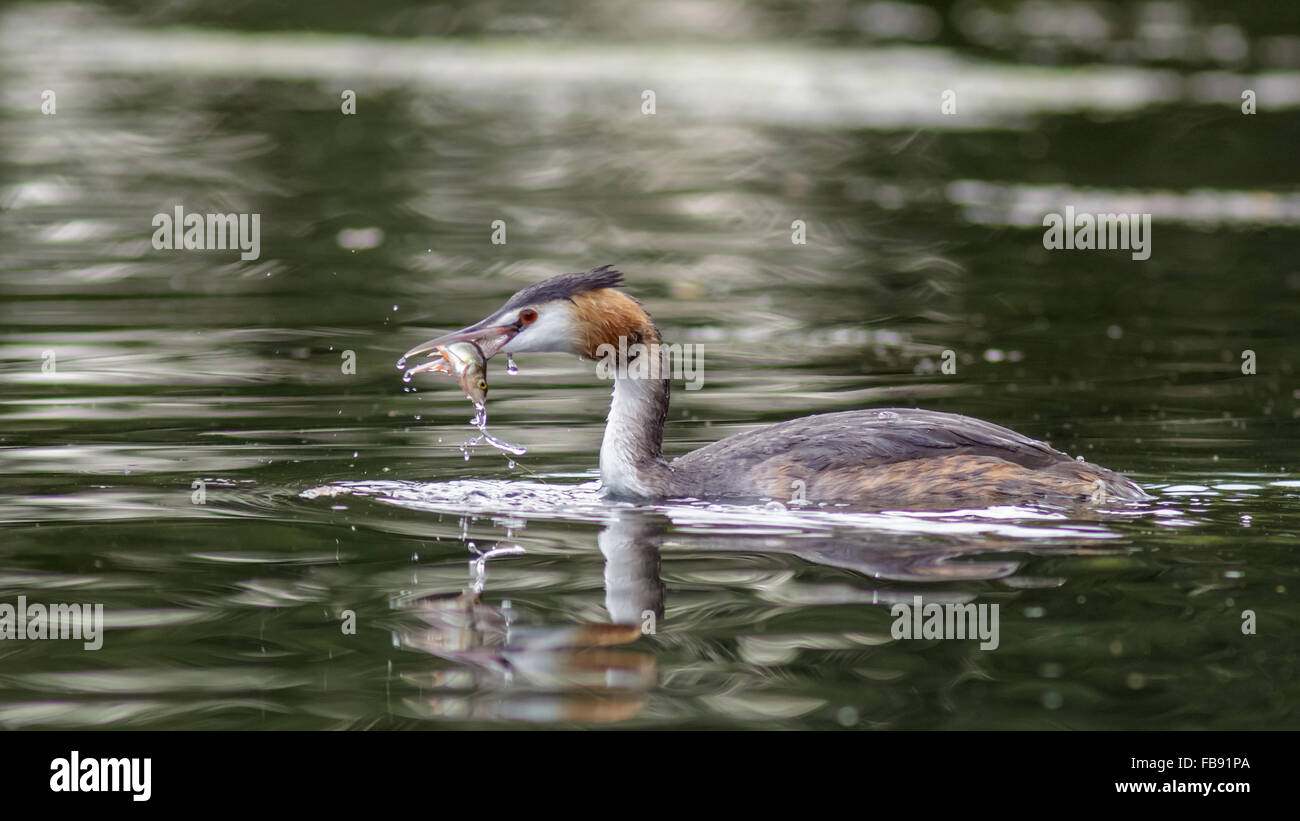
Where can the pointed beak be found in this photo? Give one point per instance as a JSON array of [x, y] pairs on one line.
[[490, 339]]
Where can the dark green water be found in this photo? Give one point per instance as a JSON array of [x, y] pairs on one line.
[[172, 368]]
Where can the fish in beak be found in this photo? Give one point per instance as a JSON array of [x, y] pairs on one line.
[[463, 360]]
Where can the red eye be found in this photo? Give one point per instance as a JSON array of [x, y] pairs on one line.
[[527, 316]]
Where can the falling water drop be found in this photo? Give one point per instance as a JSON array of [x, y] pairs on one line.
[[511, 367], [401, 363]]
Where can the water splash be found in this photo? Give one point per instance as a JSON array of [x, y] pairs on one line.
[[478, 565], [480, 421]]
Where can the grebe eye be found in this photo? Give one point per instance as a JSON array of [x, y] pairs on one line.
[[482, 385], [527, 316]]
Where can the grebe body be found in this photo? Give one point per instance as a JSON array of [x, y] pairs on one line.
[[864, 459]]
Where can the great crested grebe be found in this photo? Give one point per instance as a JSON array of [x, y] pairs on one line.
[[875, 458]]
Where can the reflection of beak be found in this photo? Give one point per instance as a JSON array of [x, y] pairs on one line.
[[489, 338]]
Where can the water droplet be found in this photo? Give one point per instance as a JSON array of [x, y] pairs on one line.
[[511, 367], [510, 464], [401, 363], [406, 377]]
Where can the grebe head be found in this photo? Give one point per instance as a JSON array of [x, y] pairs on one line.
[[569, 313], [583, 314]]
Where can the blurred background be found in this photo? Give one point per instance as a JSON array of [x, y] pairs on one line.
[[131, 378]]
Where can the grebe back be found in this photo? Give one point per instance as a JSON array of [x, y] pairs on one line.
[[874, 458]]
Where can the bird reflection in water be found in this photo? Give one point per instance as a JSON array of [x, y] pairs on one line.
[[505, 670], [585, 673], [544, 673]]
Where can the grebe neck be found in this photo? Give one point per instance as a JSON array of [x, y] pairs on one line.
[[631, 454], [623, 340]]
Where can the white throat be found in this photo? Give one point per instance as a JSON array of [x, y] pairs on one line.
[[631, 453]]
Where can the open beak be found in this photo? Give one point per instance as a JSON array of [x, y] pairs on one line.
[[489, 338]]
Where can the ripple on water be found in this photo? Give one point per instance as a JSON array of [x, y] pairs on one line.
[[583, 502]]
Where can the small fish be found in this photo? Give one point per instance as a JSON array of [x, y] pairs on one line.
[[466, 362]]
